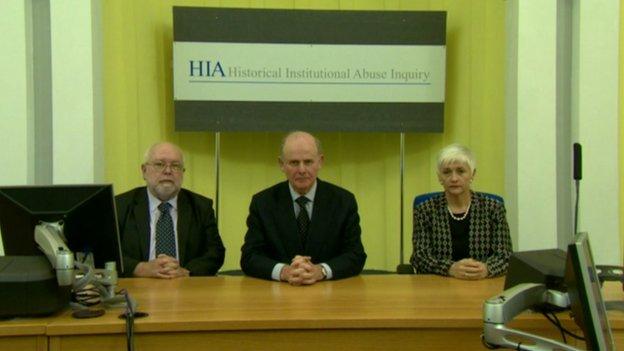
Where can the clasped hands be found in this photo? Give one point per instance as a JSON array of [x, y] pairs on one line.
[[163, 266], [469, 269], [301, 271]]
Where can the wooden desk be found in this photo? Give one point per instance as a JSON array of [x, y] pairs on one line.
[[24, 334], [366, 313]]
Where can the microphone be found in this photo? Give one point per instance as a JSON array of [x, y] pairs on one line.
[[578, 161], [577, 170]]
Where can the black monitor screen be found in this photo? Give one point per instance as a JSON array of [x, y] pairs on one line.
[[588, 308], [88, 213]]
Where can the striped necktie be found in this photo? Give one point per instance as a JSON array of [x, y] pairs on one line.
[[303, 221]]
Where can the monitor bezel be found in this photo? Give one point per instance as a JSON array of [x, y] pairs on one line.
[[586, 302]]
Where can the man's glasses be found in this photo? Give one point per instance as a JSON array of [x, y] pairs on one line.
[[161, 166]]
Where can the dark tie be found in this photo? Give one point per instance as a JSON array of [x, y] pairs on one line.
[[303, 221], [165, 239]]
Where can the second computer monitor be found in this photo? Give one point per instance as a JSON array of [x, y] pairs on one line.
[[586, 301]]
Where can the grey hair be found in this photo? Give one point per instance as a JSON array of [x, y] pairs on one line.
[[456, 153], [317, 142], [150, 150]]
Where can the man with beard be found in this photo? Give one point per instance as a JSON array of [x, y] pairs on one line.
[[166, 231]]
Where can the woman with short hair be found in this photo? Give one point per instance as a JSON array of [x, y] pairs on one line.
[[460, 233]]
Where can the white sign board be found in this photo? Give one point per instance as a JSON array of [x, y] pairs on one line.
[[308, 72]]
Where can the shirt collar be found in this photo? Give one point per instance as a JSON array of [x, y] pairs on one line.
[[310, 194], [154, 201]]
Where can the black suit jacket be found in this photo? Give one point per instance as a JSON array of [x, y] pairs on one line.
[[334, 233], [199, 244]]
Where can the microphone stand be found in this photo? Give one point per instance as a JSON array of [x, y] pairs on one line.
[[578, 175], [402, 268]]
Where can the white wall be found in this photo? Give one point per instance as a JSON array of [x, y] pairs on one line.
[[562, 87], [76, 108], [595, 114], [16, 128], [531, 109]]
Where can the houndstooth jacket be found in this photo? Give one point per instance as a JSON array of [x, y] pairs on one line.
[[489, 237]]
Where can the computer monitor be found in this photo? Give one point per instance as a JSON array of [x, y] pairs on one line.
[[588, 308], [88, 213]]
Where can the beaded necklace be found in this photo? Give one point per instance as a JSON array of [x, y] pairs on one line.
[[460, 218]]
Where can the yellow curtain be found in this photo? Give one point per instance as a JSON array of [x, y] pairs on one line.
[[621, 131], [138, 107]]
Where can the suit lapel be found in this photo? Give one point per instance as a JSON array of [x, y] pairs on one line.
[[474, 216], [442, 209], [285, 217], [184, 222], [142, 218], [319, 226]]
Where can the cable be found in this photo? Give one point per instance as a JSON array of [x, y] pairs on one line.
[[576, 206], [566, 331], [487, 344], [129, 316], [555, 320]]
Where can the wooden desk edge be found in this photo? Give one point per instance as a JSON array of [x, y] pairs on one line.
[[21, 330], [234, 325]]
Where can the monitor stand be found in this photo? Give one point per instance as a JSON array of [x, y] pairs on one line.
[[104, 281], [611, 273]]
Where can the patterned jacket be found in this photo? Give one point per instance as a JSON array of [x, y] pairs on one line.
[[489, 237]]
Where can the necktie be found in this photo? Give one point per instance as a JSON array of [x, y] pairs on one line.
[[165, 239], [303, 221]]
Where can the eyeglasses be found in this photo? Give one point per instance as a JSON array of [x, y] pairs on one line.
[[161, 166]]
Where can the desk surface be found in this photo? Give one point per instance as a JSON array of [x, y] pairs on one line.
[[235, 311], [243, 303]]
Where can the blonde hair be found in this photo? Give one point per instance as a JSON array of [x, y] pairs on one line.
[[456, 153]]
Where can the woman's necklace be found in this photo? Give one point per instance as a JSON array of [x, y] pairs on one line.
[[460, 218]]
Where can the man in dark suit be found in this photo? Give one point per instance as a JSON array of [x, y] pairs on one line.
[[167, 231], [303, 230]]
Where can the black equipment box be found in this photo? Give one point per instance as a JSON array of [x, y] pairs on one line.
[[28, 287], [541, 266]]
